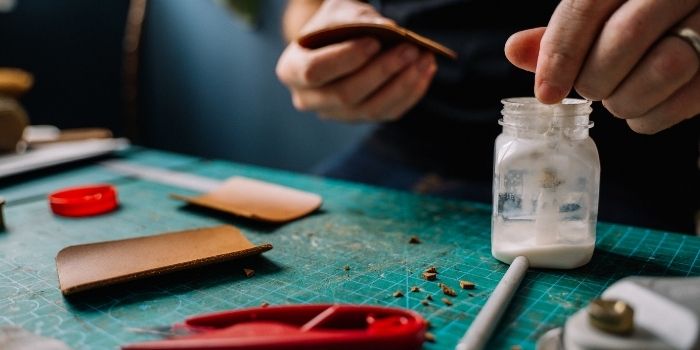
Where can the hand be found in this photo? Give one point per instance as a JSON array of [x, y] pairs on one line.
[[619, 52], [354, 80]]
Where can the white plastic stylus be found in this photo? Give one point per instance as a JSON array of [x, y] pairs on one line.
[[480, 330]]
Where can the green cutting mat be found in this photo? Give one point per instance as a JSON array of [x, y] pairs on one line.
[[363, 227]]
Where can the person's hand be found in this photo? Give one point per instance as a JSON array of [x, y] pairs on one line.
[[354, 80], [618, 52]]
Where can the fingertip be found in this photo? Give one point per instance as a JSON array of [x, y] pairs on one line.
[[643, 127], [549, 93], [522, 48], [512, 50]]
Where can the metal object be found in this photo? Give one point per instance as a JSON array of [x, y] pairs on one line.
[[611, 316], [480, 330], [634, 313], [688, 35]]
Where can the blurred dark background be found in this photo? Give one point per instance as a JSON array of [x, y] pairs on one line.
[[206, 84]]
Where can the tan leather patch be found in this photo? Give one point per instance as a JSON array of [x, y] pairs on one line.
[[257, 200], [388, 34], [87, 266]]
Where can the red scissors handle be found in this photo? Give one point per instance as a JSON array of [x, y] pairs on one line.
[[323, 326]]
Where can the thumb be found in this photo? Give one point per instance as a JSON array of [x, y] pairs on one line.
[[523, 47]]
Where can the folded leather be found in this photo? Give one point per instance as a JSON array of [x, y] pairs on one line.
[[387, 33], [86, 266], [257, 200]]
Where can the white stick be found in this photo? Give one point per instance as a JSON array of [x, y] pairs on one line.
[[164, 176], [480, 330]]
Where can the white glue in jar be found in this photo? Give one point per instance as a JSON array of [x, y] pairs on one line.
[[545, 184]]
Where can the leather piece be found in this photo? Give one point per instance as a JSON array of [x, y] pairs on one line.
[[388, 34], [87, 266], [13, 120], [15, 82], [257, 200]]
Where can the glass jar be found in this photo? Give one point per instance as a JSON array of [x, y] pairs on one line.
[[545, 184]]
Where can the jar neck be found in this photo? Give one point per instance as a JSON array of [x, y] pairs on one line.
[[527, 117]]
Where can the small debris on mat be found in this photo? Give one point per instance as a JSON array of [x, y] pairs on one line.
[[264, 304], [415, 289], [398, 294], [446, 301], [429, 297], [431, 269], [414, 240], [430, 276], [425, 302], [471, 294], [346, 267], [448, 291], [429, 337], [428, 325], [249, 272], [466, 284]]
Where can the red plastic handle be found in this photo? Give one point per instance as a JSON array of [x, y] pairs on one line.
[[324, 326]]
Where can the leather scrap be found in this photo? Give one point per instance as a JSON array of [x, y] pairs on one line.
[[388, 34], [257, 200], [87, 266]]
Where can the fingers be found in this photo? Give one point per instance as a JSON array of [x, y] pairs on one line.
[[348, 81], [522, 48], [302, 68], [626, 37], [569, 35], [394, 98], [664, 88], [348, 92], [683, 104], [666, 68], [403, 93]]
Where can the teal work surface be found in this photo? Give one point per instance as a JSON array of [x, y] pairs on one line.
[[364, 228]]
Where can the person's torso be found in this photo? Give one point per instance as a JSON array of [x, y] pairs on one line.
[[471, 87]]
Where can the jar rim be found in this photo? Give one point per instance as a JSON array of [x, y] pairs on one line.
[[530, 105], [534, 101]]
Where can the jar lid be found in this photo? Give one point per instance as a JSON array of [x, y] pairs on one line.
[[84, 200]]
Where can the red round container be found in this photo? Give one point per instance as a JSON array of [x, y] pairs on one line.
[[84, 200]]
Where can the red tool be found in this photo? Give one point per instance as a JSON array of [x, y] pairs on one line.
[[325, 326], [84, 200]]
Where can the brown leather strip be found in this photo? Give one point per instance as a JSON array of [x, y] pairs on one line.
[[257, 200], [86, 266], [388, 34]]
